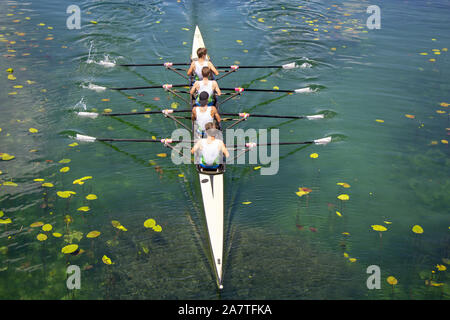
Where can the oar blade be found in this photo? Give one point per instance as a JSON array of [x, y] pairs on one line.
[[84, 138], [323, 141], [91, 115], [304, 90], [288, 66], [315, 117]]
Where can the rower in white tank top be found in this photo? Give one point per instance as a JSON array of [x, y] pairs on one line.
[[210, 152], [204, 114], [210, 148], [198, 68], [199, 63], [203, 117]]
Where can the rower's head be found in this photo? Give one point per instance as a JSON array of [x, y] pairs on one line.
[[201, 53], [205, 72], [203, 98], [211, 130]]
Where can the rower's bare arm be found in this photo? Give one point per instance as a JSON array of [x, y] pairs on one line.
[[191, 69], [215, 114], [213, 69], [194, 114], [195, 147], [216, 87], [194, 87], [225, 150]]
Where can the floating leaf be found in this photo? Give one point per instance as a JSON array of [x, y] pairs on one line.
[[41, 237], [65, 194], [378, 227], [343, 184], [246, 202], [256, 168], [379, 120], [106, 260], [47, 227], [10, 183], [84, 209], [417, 229], [343, 197], [38, 180], [339, 214], [6, 157], [64, 161], [149, 223], [93, 234], [391, 280], [73, 144], [33, 130], [314, 155], [162, 155], [91, 197], [410, 116], [5, 221], [352, 259], [47, 185], [57, 234], [71, 248], [64, 169], [441, 267], [1, 213], [157, 228], [36, 224]]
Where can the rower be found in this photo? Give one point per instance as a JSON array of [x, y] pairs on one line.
[[204, 114], [202, 61], [211, 149], [210, 86]]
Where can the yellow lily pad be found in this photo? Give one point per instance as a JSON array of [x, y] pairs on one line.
[[47, 227], [41, 237], [378, 227], [417, 229], [5, 221], [36, 224], [149, 223], [93, 234], [343, 197], [84, 209], [392, 280], [91, 197], [106, 260], [47, 185], [71, 248], [64, 169], [157, 228], [33, 130]]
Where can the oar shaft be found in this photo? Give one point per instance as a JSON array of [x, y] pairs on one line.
[[265, 116], [259, 90], [149, 87], [153, 64], [138, 113]]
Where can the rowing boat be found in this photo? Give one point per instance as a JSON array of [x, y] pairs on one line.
[[211, 183]]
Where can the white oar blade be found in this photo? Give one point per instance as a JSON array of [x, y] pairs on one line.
[[84, 138], [91, 115], [323, 141], [303, 90], [315, 117], [291, 65]]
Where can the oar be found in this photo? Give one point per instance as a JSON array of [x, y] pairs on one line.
[[84, 138], [164, 86], [322, 141], [291, 65], [243, 114], [301, 90], [94, 115], [155, 64]]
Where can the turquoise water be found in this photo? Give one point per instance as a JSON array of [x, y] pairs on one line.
[[388, 115]]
